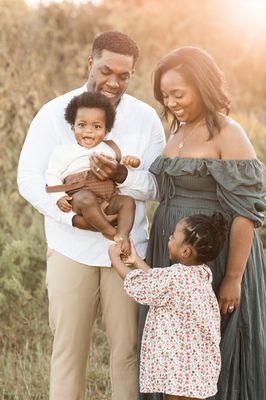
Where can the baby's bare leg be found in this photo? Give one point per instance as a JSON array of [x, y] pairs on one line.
[[124, 207], [85, 203]]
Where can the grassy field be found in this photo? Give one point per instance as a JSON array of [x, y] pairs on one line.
[[25, 368]]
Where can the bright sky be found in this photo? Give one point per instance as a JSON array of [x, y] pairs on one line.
[[35, 3], [251, 11], [256, 5]]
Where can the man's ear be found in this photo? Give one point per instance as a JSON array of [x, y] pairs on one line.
[[90, 61]]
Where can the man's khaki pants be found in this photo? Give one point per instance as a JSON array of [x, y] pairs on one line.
[[75, 291]]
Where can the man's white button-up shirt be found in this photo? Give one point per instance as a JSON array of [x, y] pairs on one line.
[[137, 131]]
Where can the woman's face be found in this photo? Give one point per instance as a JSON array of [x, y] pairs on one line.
[[180, 97]]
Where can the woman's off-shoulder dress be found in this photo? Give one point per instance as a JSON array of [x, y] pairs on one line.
[[235, 188]]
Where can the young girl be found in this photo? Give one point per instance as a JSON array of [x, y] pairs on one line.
[[180, 354], [91, 116]]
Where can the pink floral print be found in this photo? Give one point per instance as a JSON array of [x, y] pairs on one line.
[[180, 346]]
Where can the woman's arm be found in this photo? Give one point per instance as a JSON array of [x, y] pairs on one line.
[[240, 242], [234, 144]]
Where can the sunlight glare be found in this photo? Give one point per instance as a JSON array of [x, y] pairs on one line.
[[36, 3], [254, 11]]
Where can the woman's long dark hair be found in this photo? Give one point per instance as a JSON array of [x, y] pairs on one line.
[[199, 69]]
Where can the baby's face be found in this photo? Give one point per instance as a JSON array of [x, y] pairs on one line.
[[89, 127]]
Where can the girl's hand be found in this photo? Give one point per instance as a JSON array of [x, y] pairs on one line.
[[125, 244], [115, 251], [64, 204], [229, 294], [133, 257]]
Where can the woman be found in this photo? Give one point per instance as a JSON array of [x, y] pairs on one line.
[[209, 165]]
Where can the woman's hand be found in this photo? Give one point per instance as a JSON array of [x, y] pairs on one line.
[[229, 294]]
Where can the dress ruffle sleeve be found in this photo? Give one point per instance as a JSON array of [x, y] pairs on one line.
[[240, 183], [240, 188], [151, 288]]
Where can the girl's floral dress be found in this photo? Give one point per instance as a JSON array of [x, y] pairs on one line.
[[180, 345]]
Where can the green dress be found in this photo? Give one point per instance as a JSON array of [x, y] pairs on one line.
[[234, 187]]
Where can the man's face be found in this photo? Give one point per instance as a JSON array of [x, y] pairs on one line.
[[110, 74]]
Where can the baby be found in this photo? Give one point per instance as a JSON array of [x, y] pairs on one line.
[[91, 116]]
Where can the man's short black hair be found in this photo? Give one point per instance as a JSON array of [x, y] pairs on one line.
[[91, 100], [116, 42]]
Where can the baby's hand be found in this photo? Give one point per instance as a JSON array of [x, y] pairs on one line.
[[64, 204], [131, 161]]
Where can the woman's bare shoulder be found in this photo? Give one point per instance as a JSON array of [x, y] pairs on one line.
[[234, 142]]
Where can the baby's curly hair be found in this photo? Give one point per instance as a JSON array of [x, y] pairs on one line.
[[117, 42], [91, 100], [206, 234]]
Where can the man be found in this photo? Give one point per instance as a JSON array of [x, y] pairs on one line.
[[79, 276]]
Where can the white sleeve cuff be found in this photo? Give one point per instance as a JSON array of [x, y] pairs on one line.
[[129, 179]]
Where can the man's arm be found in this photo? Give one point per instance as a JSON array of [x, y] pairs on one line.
[[140, 183], [38, 146]]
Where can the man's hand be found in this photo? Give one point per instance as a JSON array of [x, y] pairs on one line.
[[64, 204], [105, 167]]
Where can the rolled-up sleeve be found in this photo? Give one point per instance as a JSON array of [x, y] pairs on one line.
[[38, 146]]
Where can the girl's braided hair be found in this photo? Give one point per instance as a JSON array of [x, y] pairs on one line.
[[206, 234]]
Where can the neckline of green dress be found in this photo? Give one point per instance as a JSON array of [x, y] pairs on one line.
[[212, 159]]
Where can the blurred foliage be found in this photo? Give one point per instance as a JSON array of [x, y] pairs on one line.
[[43, 54]]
